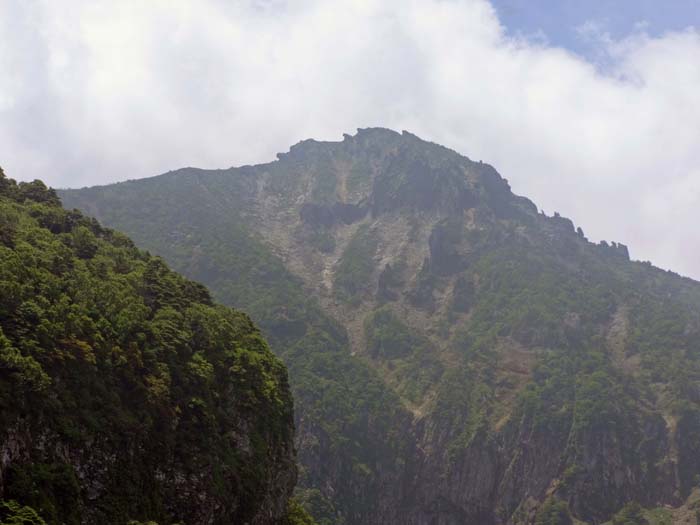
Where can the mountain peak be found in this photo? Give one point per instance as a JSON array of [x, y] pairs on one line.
[[440, 331], [373, 137], [383, 170]]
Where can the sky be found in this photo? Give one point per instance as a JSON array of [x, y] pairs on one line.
[[571, 23], [589, 108]]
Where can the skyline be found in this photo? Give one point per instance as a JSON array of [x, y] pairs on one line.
[[104, 92]]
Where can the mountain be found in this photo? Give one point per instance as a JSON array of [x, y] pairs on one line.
[[455, 355], [125, 392]]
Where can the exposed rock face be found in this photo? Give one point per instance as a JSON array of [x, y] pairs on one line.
[[323, 216], [495, 369]]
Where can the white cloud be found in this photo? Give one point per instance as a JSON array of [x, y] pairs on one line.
[[94, 92]]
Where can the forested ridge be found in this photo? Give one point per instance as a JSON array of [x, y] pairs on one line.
[[126, 393]]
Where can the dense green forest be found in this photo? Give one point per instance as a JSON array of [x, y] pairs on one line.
[[126, 393]]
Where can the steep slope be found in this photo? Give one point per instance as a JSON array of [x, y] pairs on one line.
[[456, 356], [125, 393]]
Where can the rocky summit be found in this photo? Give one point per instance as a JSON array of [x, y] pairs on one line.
[[455, 355]]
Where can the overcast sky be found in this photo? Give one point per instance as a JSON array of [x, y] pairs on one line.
[[591, 109]]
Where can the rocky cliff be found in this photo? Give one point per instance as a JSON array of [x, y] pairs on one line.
[[125, 392], [456, 356]]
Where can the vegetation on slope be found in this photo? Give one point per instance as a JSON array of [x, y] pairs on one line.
[[355, 267], [349, 424], [125, 393], [12, 513], [538, 364]]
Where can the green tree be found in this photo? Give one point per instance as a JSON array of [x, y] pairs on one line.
[[553, 512], [631, 514], [12, 513], [37, 191], [297, 515]]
